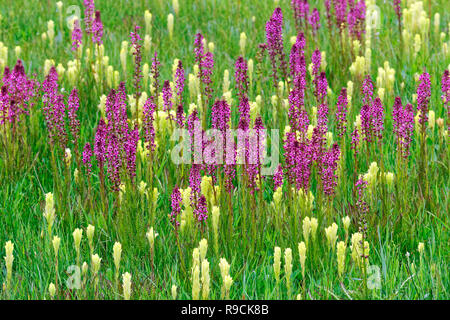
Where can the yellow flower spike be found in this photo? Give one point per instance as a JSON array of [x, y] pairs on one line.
[[224, 267], [288, 266], [277, 263], [148, 22], [124, 55], [346, 223], [211, 47], [117, 255], [331, 235], [126, 285], [84, 268], [90, 235], [215, 223], [228, 97], [147, 46], [421, 247], [323, 62], [205, 279], [110, 75], [49, 211], [174, 292], [196, 283], [142, 188], [341, 257], [360, 252], [314, 225], [417, 44], [431, 119], [226, 81], [250, 70], [227, 283], [356, 47], [203, 247], [77, 235], [17, 51], [51, 290], [95, 266], [9, 258], [195, 257], [176, 6], [151, 236], [302, 254], [381, 92], [51, 31], [170, 19], [306, 227], [242, 42], [389, 177], [277, 195], [56, 243]]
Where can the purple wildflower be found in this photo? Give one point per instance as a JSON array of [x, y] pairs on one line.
[[201, 210], [355, 141], [206, 64], [241, 77], [403, 118], [341, 112], [329, 166], [130, 147], [176, 201], [89, 15], [114, 162], [76, 35], [167, 97], [179, 81], [274, 39], [149, 130], [423, 99], [73, 104], [445, 86], [278, 178], [220, 115], [87, 156], [97, 29], [340, 12], [398, 9], [137, 76], [155, 73], [314, 20]]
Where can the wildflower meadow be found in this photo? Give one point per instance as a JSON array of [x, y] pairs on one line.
[[212, 149]]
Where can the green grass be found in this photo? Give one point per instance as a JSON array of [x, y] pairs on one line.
[[395, 227]]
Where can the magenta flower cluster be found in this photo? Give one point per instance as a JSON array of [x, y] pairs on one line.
[[176, 202], [89, 10], [403, 122], [341, 112], [423, 99], [77, 34], [445, 86], [16, 95], [97, 29]]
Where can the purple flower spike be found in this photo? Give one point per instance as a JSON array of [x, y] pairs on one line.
[[77, 34], [97, 29]]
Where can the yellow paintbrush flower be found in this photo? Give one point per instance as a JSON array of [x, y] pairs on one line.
[[170, 25], [277, 263], [9, 258], [126, 285]]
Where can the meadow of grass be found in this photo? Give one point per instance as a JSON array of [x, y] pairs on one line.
[[368, 224]]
